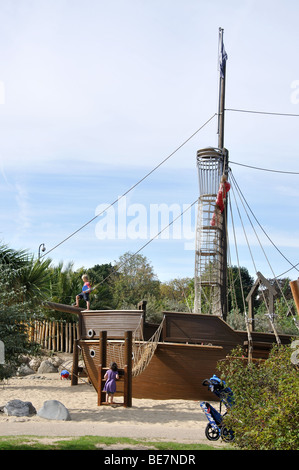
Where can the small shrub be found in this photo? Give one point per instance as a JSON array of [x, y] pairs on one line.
[[266, 411]]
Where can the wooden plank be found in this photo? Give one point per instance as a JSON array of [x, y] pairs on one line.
[[177, 372], [74, 376], [115, 322], [62, 307], [128, 369], [198, 328]]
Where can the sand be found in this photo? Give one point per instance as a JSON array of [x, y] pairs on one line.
[[169, 420]]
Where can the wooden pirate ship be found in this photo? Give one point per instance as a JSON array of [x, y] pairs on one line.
[[170, 360]]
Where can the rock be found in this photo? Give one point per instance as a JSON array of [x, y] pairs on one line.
[[35, 363], [54, 409], [56, 361], [24, 359], [19, 408], [24, 370], [46, 367]]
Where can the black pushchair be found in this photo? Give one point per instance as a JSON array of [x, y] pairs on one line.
[[215, 428]]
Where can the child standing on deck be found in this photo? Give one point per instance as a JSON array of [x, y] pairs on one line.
[[110, 386], [85, 292]]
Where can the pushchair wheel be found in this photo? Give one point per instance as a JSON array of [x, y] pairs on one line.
[[211, 433], [227, 435]]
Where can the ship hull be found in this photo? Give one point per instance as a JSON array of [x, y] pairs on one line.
[[176, 371], [187, 351]]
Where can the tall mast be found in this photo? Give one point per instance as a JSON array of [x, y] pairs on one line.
[[222, 75], [210, 283]]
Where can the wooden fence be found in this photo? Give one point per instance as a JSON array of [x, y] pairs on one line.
[[54, 335]]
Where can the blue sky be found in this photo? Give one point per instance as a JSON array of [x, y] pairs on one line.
[[95, 94]]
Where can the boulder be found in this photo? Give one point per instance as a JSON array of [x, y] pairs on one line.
[[24, 370], [46, 367], [34, 363], [54, 409], [19, 408], [56, 361]]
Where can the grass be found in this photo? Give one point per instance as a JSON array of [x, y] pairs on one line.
[[94, 443]]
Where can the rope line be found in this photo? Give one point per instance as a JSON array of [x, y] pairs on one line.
[[132, 187], [274, 277], [240, 192], [266, 169], [261, 112]]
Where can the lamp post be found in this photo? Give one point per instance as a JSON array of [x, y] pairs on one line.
[[41, 247]]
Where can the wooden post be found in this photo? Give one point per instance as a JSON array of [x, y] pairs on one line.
[[66, 338], [100, 386], [61, 337], [102, 361], [251, 314], [221, 110], [74, 377], [250, 345], [43, 342], [47, 334], [70, 337], [54, 336], [128, 370]]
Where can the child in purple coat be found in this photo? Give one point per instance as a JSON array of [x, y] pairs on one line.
[[110, 386]]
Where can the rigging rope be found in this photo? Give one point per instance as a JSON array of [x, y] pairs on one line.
[[274, 277], [147, 243], [261, 112], [247, 320], [142, 351], [132, 187], [240, 192], [266, 169]]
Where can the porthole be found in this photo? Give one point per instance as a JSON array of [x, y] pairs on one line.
[[90, 333], [92, 353]]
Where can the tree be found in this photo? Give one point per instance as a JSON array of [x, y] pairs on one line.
[[11, 257], [34, 278], [178, 294], [240, 282], [64, 285], [134, 279], [14, 317], [101, 276], [23, 283]]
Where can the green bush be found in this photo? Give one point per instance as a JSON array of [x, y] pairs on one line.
[[265, 414]]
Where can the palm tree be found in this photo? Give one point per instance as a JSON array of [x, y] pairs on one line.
[[15, 259], [28, 276], [34, 277]]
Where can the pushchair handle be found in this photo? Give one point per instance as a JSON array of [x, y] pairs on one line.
[[206, 382]]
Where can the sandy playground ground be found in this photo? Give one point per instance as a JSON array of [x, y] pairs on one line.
[[168, 420]]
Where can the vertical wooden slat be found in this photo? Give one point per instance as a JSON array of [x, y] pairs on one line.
[[46, 340], [128, 370], [102, 363], [66, 332], [54, 335], [61, 337], [70, 337], [74, 377]]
